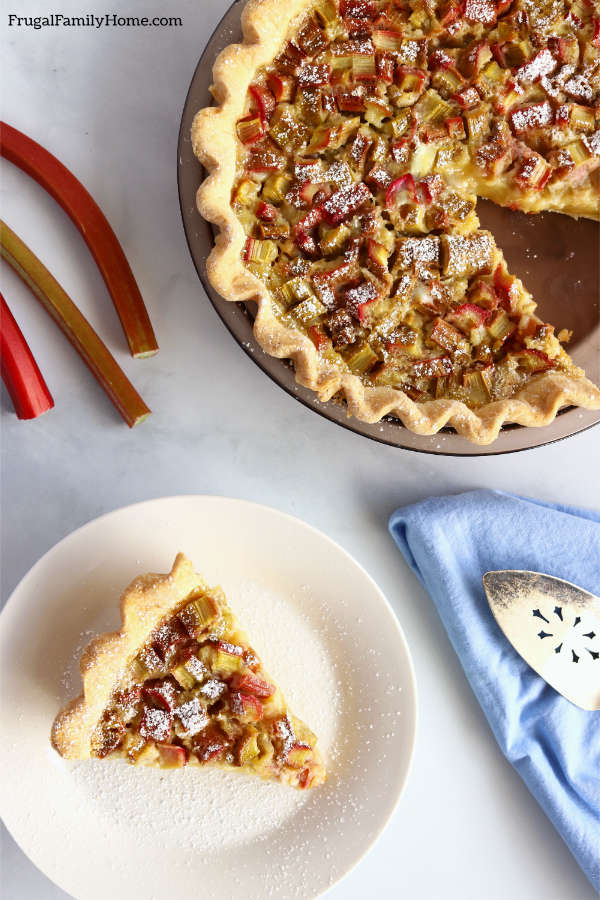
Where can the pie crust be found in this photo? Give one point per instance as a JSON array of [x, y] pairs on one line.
[[204, 697], [266, 26]]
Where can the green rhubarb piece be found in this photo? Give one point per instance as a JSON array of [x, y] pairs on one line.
[[309, 310], [185, 678], [248, 749], [294, 291], [226, 664], [363, 359], [276, 187]]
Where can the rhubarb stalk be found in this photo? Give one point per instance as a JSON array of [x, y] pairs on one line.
[[95, 229], [74, 325], [20, 373]]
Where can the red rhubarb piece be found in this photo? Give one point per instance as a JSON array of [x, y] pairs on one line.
[[210, 743], [171, 756], [264, 101], [402, 190], [161, 693], [252, 684], [20, 373], [156, 724], [246, 707], [345, 202], [95, 229]]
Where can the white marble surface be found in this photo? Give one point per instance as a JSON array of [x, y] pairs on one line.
[[108, 104]]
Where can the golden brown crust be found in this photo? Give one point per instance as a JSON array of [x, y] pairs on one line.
[[144, 604], [265, 27]]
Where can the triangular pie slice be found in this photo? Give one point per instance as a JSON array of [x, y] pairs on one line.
[[180, 684], [350, 143]]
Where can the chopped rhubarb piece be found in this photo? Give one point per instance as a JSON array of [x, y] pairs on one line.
[[377, 258], [210, 743], [167, 637], [184, 677], [20, 373], [250, 129], [357, 299], [400, 191], [471, 315], [298, 755], [455, 127], [480, 11], [265, 157], [411, 82], [533, 173], [447, 336], [318, 336], [440, 59], [357, 9], [596, 36], [75, 327], [246, 707], [386, 66], [266, 212], [477, 386], [156, 724], [199, 614], [305, 779], [161, 693], [148, 662], [262, 253], [476, 58], [351, 99], [387, 40], [171, 756], [532, 361], [345, 202], [467, 98], [542, 64], [504, 284], [362, 359], [433, 367], [97, 233], [311, 39], [264, 101], [193, 716], [213, 689], [283, 87], [252, 684], [364, 67], [500, 327], [314, 75], [247, 747], [537, 115]]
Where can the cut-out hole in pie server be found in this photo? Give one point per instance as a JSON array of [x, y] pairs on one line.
[[555, 626]]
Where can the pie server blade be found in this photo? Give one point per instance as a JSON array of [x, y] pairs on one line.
[[555, 626]]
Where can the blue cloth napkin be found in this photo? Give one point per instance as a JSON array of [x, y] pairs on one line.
[[450, 542]]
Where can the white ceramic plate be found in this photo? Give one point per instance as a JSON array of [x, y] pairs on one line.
[[326, 634]]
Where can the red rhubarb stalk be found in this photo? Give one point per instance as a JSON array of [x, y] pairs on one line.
[[95, 229], [20, 373], [74, 325]]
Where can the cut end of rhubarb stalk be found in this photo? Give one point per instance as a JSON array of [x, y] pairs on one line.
[[20, 372], [74, 326]]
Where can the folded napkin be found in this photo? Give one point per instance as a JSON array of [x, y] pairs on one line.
[[450, 542]]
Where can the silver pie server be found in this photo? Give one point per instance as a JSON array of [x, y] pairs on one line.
[[555, 626]]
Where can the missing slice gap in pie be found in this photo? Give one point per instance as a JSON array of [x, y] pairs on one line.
[[346, 152], [180, 684]]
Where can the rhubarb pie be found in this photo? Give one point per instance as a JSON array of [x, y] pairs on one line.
[[346, 152], [180, 684]]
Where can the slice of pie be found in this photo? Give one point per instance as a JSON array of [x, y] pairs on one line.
[[349, 145], [181, 685]]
